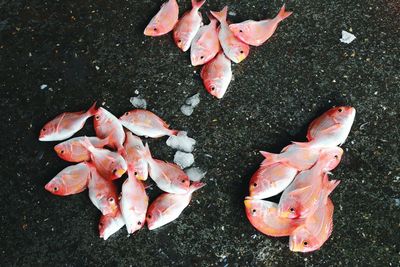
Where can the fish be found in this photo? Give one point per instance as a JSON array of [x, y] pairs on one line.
[[164, 21], [169, 177], [317, 228], [133, 203], [71, 180], [205, 45], [233, 48], [263, 215], [109, 164], [135, 156], [331, 128], [299, 198], [65, 125], [102, 192], [167, 207], [216, 75], [109, 224], [107, 125], [72, 149], [256, 33], [187, 26], [270, 180], [145, 123], [293, 155]]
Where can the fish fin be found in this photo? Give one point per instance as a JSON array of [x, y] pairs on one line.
[[212, 19], [93, 109], [283, 14], [331, 128], [220, 15], [301, 144], [146, 152], [173, 132], [299, 190], [197, 4], [329, 185], [87, 144], [195, 186], [270, 158]]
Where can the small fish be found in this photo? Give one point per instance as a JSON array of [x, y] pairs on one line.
[[187, 27], [317, 228], [270, 180], [167, 207], [331, 128], [258, 32], [164, 21], [65, 125], [102, 192], [299, 198], [133, 203], [145, 123], [263, 215], [107, 125], [216, 75], [72, 150], [233, 48], [293, 155], [169, 177], [110, 165], [205, 44], [71, 180], [110, 224], [135, 156]]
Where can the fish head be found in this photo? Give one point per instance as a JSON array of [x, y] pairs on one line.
[[47, 130], [100, 117], [330, 158], [136, 223], [289, 207], [200, 56], [105, 224], [153, 216], [258, 184], [109, 204], [182, 40], [181, 184], [240, 30], [254, 208], [62, 151], [127, 117], [56, 186], [139, 170], [118, 167], [344, 115], [239, 52], [155, 28], [216, 87], [301, 240]]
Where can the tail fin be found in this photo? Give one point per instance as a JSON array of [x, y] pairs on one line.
[[221, 15], [92, 110], [195, 186], [270, 158], [329, 186], [283, 14], [212, 19], [173, 132], [197, 4]]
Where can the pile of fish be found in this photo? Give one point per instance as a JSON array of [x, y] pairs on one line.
[[108, 156], [301, 171], [205, 41]]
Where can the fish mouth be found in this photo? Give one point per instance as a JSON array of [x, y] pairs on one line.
[[284, 214], [247, 202], [120, 172]]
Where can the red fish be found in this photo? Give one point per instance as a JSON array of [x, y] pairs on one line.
[[233, 48], [145, 123], [263, 215], [107, 125], [187, 27], [216, 75], [167, 207], [72, 150], [110, 224], [135, 156], [65, 125], [164, 21], [71, 180], [258, 32]]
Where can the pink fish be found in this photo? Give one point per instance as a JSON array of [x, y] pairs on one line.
[[233, 48], [72, 150], [167, 207], [110, 224], [133, 203], [258, 32], [65, 125], [164, 21], [107, 125], [216, 75], [169, 177], [135, 156], [317, 228], [188, 25], [71, 180], [102, 192], [299, 199], [205, 44], [109, 164], [270, 180], [263, 215], [145, 123]]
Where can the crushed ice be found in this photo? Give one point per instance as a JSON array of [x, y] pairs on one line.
[[183, 159], [195, 174], [138, 102], [347, 37], [190, 104], [181, 142]]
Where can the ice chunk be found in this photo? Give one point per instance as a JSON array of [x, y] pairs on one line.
[[195, 174], [193, 100], [187, 110], [181, 142], [138, 102], [347, 37], [183, 159], [43, 86]]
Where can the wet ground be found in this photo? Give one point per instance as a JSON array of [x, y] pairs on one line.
[[95, 50]]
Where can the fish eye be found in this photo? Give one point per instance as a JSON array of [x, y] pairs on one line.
[[183, 181], [101, 224], [213, 88], [126, 113], [139, 223], [340, 110], [55, 189], [62, 151], [305, 243], [240, 31], [44, 129], [155, 29], [114, 171], [111, 199], [255, 184], [291, 209], [241, 51], [254, 210], [201, 57], [336, 156], [149, 216], [97, 117], [135, 173], [179, 41]]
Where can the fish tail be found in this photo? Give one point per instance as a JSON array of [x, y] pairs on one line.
[[93, 109], [330, 185], [270, 158], [197, 4], [195, 186], [283, 14], [211, 18], [221, 15], [173, 132]]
